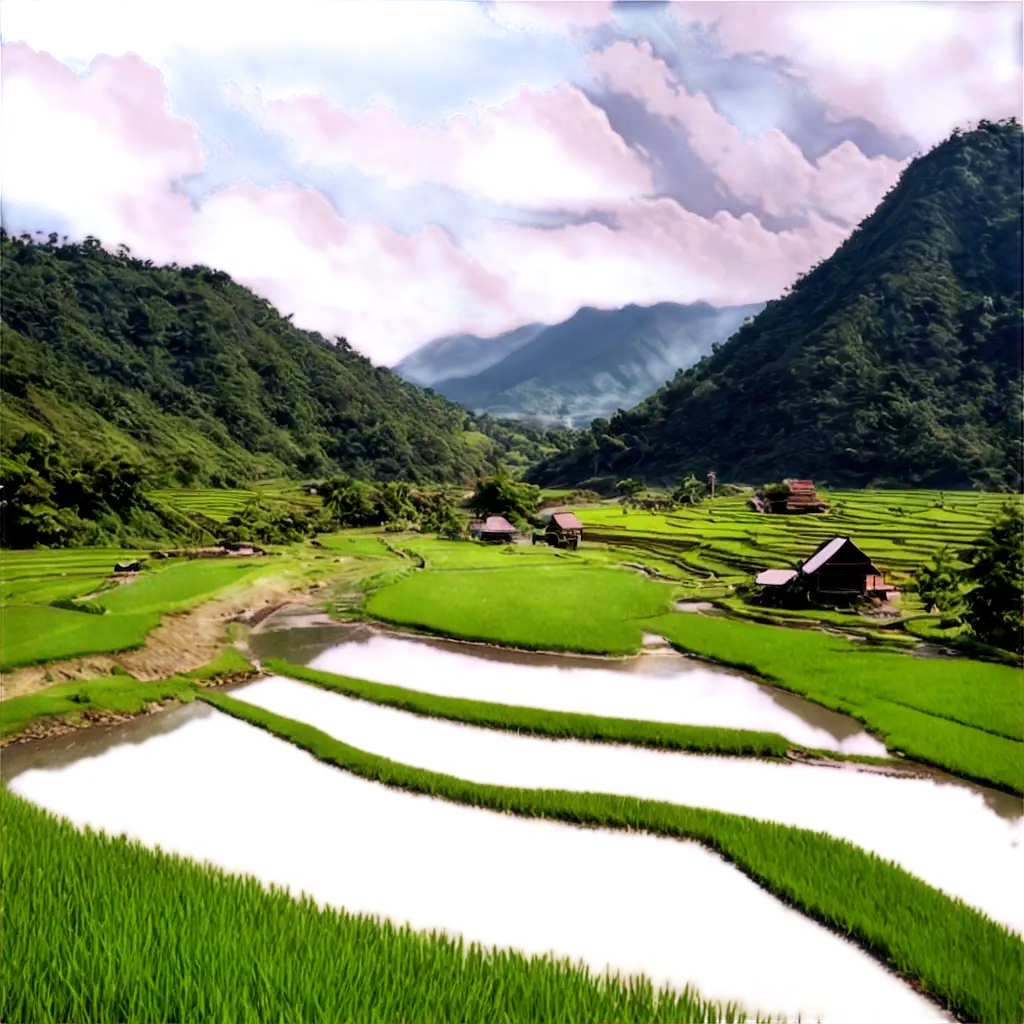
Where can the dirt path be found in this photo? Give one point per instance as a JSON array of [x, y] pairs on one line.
[[182, 642]]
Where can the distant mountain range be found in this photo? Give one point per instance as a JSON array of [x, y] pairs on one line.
[[895, 362], [570, 373], [462, 355]]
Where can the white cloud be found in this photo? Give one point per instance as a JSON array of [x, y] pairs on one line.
[[767, 170], [102, 152], [541, 150], [919, 68], [552, 15]]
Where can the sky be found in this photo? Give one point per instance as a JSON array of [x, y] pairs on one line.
[[394, 171]]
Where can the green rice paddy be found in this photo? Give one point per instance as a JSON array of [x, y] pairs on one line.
[[98, 929], [190, 943], [33, 631], [537, 722], [961, 715], [957, 955], [542, 607]]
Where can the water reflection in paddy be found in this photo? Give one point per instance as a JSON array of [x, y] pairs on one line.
[[939, 830], [663, 687], [251, 803]]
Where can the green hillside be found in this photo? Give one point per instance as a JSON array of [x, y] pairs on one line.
[[119, 375], [895, 361]]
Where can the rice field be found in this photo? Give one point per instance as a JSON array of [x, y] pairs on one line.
[[972, 965], [33, 630], [129, 934], [542, 607], [219, 505], [721, 542], [962, 715]]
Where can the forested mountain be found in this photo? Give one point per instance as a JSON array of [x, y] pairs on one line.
[[895, 361], [119, 376], [461, 355], [588, 366]]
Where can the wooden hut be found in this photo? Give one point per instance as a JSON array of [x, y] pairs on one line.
[[792, 497], [127, 567], [496, 529], [803, 497], [564, 530], [837, 571], [840, 569]]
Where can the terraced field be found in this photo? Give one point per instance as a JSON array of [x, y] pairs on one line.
[[220, 505], [721, 543]]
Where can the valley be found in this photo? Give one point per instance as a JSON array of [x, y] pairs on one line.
[[662, 664]]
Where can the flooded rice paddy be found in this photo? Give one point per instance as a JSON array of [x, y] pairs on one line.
[[658, 687], [240, 798], [941, 830]]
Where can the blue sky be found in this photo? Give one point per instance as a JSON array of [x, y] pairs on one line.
[[395, 171]]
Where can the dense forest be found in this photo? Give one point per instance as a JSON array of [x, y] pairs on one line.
[[118, 375], [895, 361]]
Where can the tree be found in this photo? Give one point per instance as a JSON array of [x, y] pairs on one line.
[[500, 495], [630, 487], [349, 501], [996, 600], [689, 492], [941, 586]]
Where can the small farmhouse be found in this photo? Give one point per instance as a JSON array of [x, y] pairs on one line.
[[837, 571], [127, 567], [565, 530], [494, 528], [793, 497]]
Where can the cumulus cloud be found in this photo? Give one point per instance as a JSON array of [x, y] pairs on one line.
[[768, 170], [918, 68], [563, 18], [104, 151], [541, 150]]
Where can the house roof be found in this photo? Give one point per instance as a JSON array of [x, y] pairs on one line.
[[567, 521], [497, 524], [775, 577], [823, 554]]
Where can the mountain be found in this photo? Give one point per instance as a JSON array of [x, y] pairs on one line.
[[897, 361], [461, 355], [595, 362], [113, 368]]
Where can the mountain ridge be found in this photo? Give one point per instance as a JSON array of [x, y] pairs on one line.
[[896, 361], [586, 366], [466, 353]]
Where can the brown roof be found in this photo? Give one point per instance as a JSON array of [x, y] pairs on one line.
[[567, 521], [497, 524], [800, 485]]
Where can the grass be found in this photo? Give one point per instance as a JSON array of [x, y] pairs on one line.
[[964, 716], [117, 693], [180, 586], [34, 631], [100, 929], [541, 607], [230, 662], [966, 961], [536, 722]]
